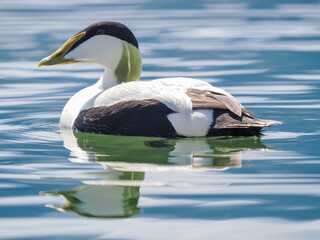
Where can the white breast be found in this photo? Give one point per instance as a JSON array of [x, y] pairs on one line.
[[83, 99]]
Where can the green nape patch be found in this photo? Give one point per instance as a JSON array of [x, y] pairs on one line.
[[130, 65]]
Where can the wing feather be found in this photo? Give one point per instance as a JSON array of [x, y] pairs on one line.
[[214, 100]]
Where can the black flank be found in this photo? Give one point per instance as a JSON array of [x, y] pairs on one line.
[[131, 118]]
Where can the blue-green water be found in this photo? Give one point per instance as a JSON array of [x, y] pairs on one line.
[[58, 186]]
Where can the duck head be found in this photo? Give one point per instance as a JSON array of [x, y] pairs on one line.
[[108, 44]]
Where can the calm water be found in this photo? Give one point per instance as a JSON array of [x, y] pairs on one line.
[[55, 185]]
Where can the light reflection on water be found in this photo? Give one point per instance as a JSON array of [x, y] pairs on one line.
[[266, 54]]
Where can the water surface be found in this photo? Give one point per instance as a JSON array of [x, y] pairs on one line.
[[55, 185]]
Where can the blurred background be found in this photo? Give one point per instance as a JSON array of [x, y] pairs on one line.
[[265, 53]]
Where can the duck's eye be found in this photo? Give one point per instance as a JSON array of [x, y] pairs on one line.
[[100, 31]]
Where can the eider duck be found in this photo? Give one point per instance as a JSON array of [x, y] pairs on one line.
[[119, 104]]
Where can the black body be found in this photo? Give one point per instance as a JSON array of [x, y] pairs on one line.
[[149, 118], [132, 118]]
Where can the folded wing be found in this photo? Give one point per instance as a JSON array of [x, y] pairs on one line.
[[230, 117]]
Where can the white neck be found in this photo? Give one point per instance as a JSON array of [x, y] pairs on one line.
[[122, 63], [107, 80], [84, 99]]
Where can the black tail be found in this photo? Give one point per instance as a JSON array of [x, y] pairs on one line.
[[227, 123]]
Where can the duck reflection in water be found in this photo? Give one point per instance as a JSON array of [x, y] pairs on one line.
[[104, 201], [127, 159]]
